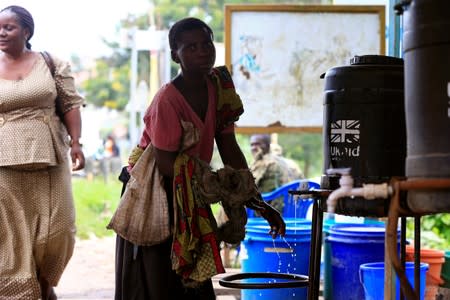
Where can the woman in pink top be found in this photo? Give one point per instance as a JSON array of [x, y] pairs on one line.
[[145, 272]]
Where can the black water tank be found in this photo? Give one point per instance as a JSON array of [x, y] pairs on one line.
[[426, 47], [364, 123]]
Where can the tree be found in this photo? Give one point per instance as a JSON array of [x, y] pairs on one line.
[[210, 11], [109, 81], [108, 84]]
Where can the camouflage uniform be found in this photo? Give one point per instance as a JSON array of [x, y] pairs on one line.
[[294, 171], [270, 172]]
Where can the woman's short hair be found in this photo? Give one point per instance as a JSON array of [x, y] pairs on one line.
[[184, 25]]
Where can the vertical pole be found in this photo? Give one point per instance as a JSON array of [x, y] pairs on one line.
[[318, 249], [168, 59], [154, 53], [393, 30], [312, 250], [133, 83], [417, 256], [403, 248], [389, 273], [154, 73], [393, 50]]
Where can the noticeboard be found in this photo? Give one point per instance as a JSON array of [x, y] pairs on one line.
[[276, 54]]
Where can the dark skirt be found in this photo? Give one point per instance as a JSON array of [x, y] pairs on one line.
[[145, 272]]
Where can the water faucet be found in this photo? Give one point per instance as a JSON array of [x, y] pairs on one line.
[[346, 189], [346, 185]]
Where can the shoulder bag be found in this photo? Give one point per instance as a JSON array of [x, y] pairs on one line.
[[58, 101]]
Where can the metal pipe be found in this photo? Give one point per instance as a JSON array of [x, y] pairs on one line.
[[391, 242], [318, 250], [312, 252], [417, 255], [402, 248], [395, 210], [425, 184]]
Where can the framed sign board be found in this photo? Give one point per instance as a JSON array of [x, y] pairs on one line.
[[276, 54]]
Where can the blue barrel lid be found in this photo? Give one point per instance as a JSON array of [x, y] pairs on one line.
[[358, 233], [356, 228], [380, 265], [252, 222], [290, 227], [295, 232]]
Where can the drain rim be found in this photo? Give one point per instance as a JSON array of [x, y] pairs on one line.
[[296, 280]]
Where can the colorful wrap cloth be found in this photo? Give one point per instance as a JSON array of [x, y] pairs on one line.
[[195, 248], [229, 104]]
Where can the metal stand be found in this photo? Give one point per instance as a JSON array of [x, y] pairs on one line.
[[396, 212], [316, 239], [312, 280]]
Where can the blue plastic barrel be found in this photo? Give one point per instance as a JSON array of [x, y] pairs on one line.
[[328, 223], [251, 222], [350, 246], [372, 278], [294, 207], [260, 253]]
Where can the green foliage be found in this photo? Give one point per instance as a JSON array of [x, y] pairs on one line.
[[95, 202], [109, 85], [305, 149], [211, 11], [435, 231]]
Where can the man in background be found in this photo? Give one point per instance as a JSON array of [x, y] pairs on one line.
[[270, 171], [293, 169]]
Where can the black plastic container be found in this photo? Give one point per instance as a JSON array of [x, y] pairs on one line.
[[426, 42], [364, 125]]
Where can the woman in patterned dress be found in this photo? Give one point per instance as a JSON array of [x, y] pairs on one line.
[[146, 272], [37, 218]]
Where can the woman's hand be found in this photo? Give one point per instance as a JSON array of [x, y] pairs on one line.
[[77, 156], [273, 217], [72, 120], [276, 222]]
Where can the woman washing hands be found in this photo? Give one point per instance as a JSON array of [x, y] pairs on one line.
[[202, 100], [273, 217]]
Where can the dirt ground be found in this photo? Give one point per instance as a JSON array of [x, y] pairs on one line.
[[90, 273]]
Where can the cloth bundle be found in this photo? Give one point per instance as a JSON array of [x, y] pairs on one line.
[[195, 248]]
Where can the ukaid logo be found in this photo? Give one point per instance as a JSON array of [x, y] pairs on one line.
[[344, 139]]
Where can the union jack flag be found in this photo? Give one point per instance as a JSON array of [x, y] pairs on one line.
[[345, 131]]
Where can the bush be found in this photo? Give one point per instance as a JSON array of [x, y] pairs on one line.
[[95, 202], [434, 231]]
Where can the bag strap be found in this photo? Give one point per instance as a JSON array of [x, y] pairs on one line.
[[58, 103], [49, 61]]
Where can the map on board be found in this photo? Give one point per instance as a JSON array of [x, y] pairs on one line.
[[277, 59]]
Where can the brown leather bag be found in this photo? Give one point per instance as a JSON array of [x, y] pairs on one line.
[[58, 101]]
